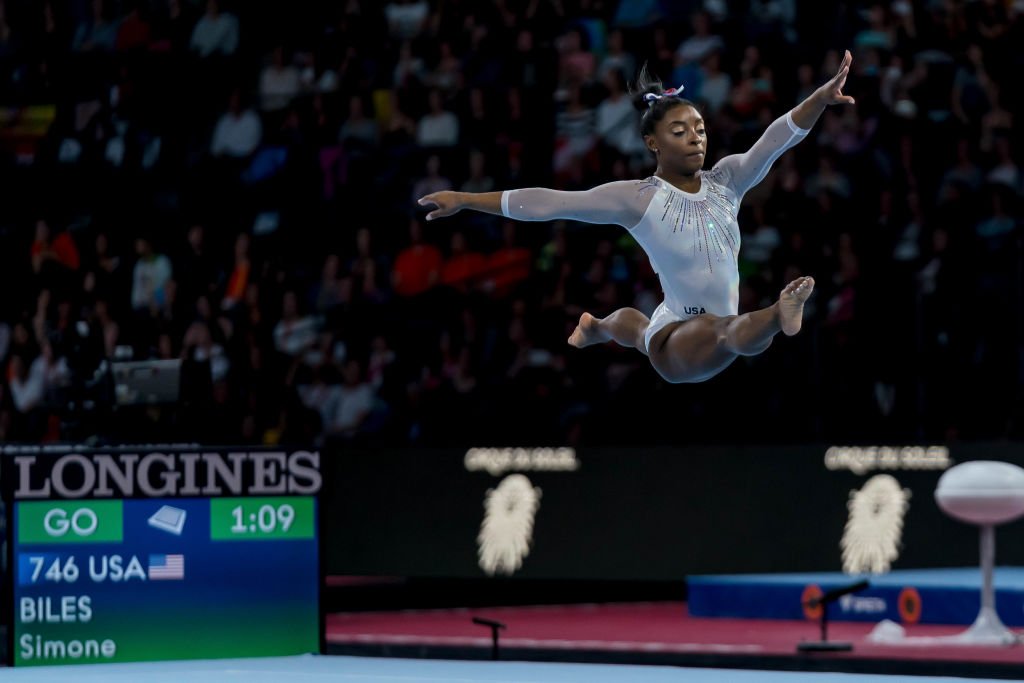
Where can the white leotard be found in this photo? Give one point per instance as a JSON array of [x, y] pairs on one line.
[[692, 239]]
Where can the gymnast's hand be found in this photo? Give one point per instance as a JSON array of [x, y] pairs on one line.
[[832, 92], [447, 203]]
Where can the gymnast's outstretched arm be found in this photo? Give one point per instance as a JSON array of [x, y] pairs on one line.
[[806, 114], [743, 171], [620, 203]]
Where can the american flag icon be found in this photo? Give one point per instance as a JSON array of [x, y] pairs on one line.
[[166, 567]]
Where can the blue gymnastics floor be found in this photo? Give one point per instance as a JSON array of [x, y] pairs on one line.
[[371, 670]]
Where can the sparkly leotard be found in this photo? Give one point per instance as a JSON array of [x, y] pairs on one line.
[[692, 239]]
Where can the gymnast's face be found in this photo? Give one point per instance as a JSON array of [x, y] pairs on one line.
[[679, 140]]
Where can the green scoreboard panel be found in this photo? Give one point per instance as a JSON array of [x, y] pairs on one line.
[[203, 569]]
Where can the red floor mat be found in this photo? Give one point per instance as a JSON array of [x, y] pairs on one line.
[[646, 627]]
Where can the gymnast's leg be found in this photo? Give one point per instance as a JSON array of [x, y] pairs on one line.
[[626, 327], [702, 347], [752, 333]]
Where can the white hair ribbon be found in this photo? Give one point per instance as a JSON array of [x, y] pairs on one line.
[[650, 98]]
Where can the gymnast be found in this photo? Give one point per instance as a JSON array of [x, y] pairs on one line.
[[685, 219]]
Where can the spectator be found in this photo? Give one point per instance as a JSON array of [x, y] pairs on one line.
[[134, 31], [878, 33], [316, 78], [216, 32], [701, 44], [438, 127], [323, 394], [576, 65], [478, 180], [617, 58], [406, 18], [52, 259], [963, 171], [995, 231], [909, 239], [463, 267], [151, 279], [509, 265], [382, 358], [238, 131], [103, 271], [997, 121], [417, 267], [970, 89], [827, 179], [367, 269], [771, 20], [332, 292], [526, 68], [355, 402], [446, 75], [715, 84], [294, 334], [199, 346], [279, 82], [575, 131], [29, 381], [617, 120], [109, 328], [203, 272], [477, 125], [1005, 171], [358, 131], [98, 33], [172, 29], [410, 70], [433, 181], [238, 280]]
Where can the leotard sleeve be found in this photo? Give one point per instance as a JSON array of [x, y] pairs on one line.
[[621, 203], [742, 171]]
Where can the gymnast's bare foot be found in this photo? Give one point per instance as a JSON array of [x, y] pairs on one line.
[[791, 304], [587, 332]]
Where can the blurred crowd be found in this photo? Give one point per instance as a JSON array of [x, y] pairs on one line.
[[233, 184]]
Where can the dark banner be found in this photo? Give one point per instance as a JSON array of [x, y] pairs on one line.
[[648, 514]]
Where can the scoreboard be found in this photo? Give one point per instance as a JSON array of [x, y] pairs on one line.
[[134, 556]]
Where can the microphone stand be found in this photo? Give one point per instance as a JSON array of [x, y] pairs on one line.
[[495, 626], [823, 601]]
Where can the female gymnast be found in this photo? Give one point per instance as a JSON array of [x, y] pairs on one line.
[[685, 220]]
